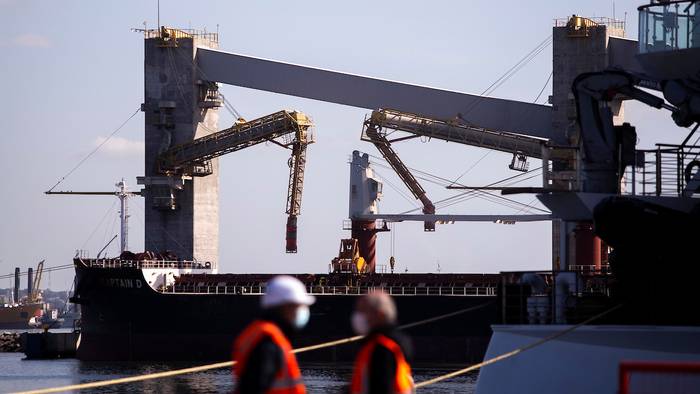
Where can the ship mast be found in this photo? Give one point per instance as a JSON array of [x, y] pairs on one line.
[[123, 194]]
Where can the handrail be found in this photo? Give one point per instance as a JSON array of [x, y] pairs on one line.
[[661, 171], [591, 269], [462, 291], [593, 21], [668, 26], [145, 264], [179, 33]]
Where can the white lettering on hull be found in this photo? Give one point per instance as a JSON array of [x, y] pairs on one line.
[[121, 283]]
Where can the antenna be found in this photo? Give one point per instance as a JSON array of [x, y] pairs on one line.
[[158, 16], [613, 4]]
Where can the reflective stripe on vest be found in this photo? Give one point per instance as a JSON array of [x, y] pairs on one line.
[[288, 378], [403, 380]]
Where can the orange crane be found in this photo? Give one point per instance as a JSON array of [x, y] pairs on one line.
[[34, 295]]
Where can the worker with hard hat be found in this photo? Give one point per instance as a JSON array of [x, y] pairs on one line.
[[263, 352], [381, 365]]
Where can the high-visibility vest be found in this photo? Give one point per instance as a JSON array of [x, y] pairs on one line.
[[288, 378], [402, 380]]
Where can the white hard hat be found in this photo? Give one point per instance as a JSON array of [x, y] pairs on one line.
[[283, 290]]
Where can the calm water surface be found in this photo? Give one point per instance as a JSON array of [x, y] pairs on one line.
[[17, 374]]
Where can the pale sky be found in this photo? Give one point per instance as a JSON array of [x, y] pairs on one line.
[[72, 71]]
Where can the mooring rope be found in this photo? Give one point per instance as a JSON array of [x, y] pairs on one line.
[[225, 364], [440, 378], [130, 379], [516, 351]]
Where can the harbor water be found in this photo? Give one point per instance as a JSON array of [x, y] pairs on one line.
[[17, 374]]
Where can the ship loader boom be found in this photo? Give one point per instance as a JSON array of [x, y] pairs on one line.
[[380, 121], [288, 129]]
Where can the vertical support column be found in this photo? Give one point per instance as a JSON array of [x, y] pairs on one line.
[[588, 247], [563, 245], [30, 281], [182, 213], [15, 292], [364, 231], [658, 172], [123, 216], [575, 51]]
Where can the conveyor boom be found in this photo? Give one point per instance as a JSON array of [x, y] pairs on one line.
[[193, 158], [187, 157], [372, 93], [456, 131], [384, 147]]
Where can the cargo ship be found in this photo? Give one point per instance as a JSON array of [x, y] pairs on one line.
[[157, 306], [17, 316], [178, 310], [20, 311], [171, 303], [176, 306]]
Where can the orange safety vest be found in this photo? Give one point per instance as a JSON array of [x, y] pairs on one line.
[[288, 378], [403, 380]]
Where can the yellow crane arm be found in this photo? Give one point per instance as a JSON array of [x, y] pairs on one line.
[[193, 158], [37, 282]]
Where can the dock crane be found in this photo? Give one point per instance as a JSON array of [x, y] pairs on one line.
[[33, 296], [373, 134], [193, 158], [377, 125], [123, 194], [455, 130]]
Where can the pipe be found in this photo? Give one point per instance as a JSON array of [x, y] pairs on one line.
[[291, 237], [565, 283], [30, 283], [16, 289], [588, 246], [365, 232]]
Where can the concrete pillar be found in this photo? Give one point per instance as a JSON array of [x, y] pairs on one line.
[[575, 51], [182, 213]]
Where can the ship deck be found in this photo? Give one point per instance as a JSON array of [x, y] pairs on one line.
[[453, 284]]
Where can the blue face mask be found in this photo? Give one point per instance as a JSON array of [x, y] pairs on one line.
[[302, 316]]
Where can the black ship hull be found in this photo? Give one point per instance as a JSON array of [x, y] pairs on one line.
[[123, 318]]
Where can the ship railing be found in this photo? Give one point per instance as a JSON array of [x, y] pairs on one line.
[[178, 33], [553, 297], [666, 170], [604, 269], [578, 26], [668, 26], [145, 264], [340, 290]]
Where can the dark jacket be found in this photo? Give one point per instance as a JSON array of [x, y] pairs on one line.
[[265, 359], [382, 368]]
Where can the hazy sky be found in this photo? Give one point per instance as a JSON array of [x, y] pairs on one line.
[[72, 71]]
